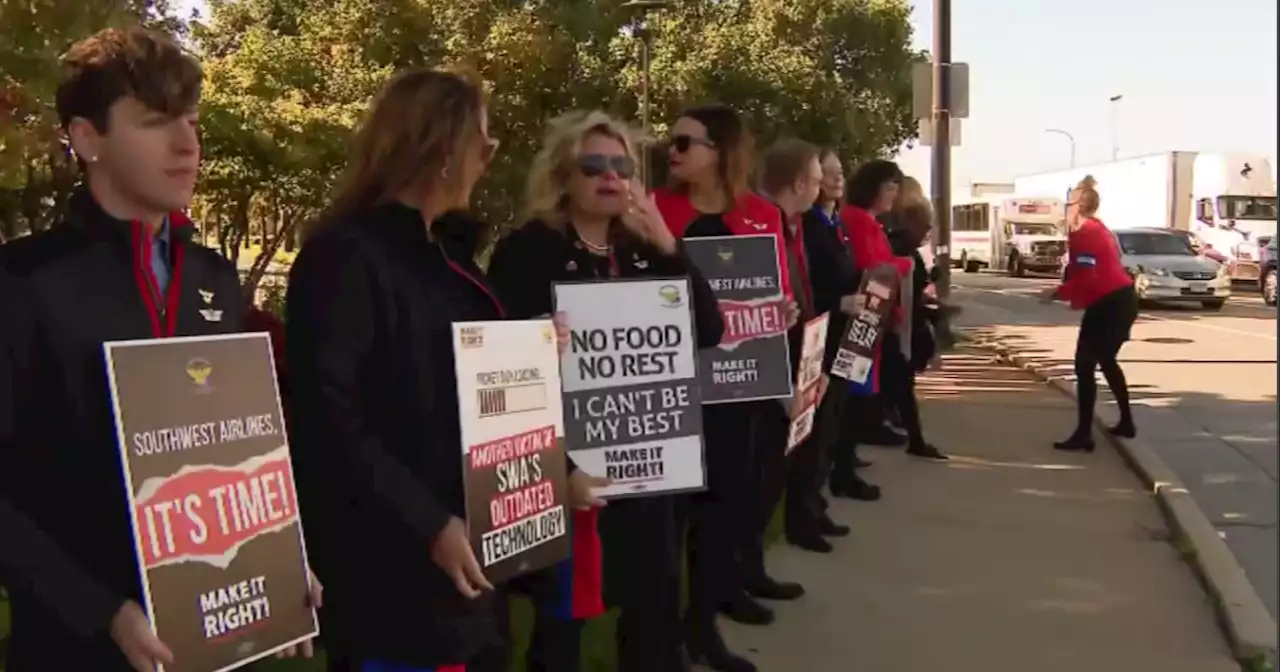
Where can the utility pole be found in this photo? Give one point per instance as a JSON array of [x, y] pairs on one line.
[[941, 177], [644, 7], [1115, 129], [1070, 138]]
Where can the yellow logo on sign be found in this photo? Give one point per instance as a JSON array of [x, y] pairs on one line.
[[671, 295], [199, 370], [725, 254]]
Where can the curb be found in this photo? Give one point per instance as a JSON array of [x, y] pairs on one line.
[[1250, 629]]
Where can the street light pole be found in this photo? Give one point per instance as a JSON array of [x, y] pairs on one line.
[[941, 174], [1115, 131], [644, 7], [1070, 138]]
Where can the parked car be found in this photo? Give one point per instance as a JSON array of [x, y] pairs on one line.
[[1166, 268], [1267, 279]]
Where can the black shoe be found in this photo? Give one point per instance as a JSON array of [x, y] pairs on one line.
[[809, 541], [707, 648], [767, 588], [855, 488], [1082, 443], [745, 610], [830, 528], [1124, 429], [883, 436], [927, 452]]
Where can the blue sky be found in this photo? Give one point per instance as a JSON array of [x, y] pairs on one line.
[[1194, 75]]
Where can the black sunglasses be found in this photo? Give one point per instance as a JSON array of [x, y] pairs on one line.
[[595, 165], [682, 143]]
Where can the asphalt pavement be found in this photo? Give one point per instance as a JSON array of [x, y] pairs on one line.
[[1203, 386]]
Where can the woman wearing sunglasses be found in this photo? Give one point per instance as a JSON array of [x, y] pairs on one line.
[[708, 195], [588, 219]]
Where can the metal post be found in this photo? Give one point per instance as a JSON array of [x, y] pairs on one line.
[[644, 9], [646, 49], [1070, 138], [941, 176], [1115, 131]]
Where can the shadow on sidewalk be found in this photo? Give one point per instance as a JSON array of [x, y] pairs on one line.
[[1009, 558]]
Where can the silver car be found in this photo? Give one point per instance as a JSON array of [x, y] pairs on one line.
[[1166, 268]]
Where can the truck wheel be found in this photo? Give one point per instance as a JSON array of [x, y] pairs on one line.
[[1214, 304], [1269, 288], [972, 266]]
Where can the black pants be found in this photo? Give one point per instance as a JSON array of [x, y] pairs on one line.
[[768, 481], [1104, 329], [810, 465], [642, 554], [554, 644], [715, 517], [898, 386], [858, 415]]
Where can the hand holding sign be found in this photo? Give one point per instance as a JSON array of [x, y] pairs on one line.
[[452, 553], [133, 634], [792, 312], [315, 598], [561, 322], [853, 303], [582, 490]]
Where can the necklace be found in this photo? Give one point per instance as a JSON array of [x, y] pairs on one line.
[[597, 248]]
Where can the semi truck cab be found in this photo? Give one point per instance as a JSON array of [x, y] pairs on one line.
[[1235, 209]]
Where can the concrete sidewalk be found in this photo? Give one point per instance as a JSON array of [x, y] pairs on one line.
[[1010, 558]]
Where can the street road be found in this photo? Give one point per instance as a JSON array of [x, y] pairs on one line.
[[1203, 386]]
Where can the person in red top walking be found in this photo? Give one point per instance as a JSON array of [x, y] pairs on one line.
[[1096, 282]]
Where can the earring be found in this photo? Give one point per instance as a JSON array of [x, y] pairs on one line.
[[444, 172]]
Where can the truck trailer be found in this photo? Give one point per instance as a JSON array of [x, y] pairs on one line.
[[1227, 200]]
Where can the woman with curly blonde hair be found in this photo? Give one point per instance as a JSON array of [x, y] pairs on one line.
[[589, 219]]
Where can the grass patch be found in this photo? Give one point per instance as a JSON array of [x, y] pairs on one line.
[[598, 651]]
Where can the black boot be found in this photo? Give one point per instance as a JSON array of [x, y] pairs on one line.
[[830, 528], [927, 452], [745, 610], [707, 648], [1123, 429], [851, 486], [1080, 441], [809, 540], [765, 587]]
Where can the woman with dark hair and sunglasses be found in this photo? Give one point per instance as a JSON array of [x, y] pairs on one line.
[[589, 219], [710, 161]]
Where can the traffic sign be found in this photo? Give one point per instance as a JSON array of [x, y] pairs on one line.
[[922, 90]]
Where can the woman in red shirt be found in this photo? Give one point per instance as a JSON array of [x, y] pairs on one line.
[[1096, 282], [708, 195]]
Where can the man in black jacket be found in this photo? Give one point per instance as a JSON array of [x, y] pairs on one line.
[[121, 266]]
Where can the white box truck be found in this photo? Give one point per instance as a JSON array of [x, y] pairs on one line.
[[1227, 200]]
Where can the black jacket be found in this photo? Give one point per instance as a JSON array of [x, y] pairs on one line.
[[529, 259], [924, 314], [79, 285], [376, 434], [832, 276]]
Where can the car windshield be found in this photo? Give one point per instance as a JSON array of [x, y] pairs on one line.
[[1140, 244]]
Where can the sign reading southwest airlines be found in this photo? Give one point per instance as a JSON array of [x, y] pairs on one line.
[[752, 361]]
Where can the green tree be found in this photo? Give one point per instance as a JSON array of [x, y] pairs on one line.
[[36, 172]]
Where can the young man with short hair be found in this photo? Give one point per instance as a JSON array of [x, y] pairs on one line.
[[121, 266]]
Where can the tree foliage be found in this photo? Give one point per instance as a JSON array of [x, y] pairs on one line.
[[286, 80]]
